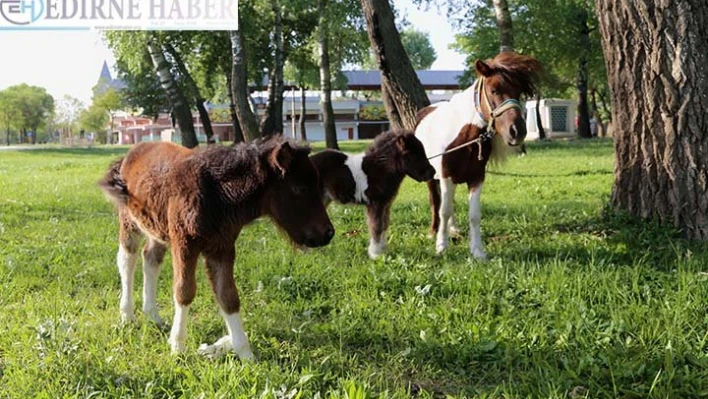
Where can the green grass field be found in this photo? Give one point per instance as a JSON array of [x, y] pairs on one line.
[[572, 303]]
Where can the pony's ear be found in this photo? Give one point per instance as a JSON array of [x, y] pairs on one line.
[[281, 157], [401, 144], [482, 68]]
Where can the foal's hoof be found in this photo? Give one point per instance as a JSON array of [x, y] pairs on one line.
[[222, 346], [440, 248], [177, 347], [127, 318], [479, 254]]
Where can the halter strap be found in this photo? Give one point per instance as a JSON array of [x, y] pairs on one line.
[[506, 105]]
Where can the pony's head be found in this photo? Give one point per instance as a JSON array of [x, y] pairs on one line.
[[504, 80]]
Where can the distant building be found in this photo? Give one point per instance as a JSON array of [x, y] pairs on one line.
[[557, 117], [354, 118]]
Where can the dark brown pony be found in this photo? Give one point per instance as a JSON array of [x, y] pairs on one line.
[[197, 202], [489, 116], [373, 178]]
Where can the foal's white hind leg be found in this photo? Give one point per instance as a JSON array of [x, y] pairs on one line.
[[475, 216], [447, 198], [153, 254], [126, 267]]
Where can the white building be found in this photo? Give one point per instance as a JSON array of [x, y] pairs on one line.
[[557, 117]]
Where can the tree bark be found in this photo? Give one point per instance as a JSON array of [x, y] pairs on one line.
[[194, 89], [239, 89], [397, 72], [503, 17], [177, 100], [656, 55], [273, 120], [539, 120], [582, 78], [596, 113], [303, 114], [325, 77], [394, 118], [238, 133]]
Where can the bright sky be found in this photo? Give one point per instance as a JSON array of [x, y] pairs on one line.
[[66, 62]]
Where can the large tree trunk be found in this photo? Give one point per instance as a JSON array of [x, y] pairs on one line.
[[273, 121], [325, 78], [656, 55], [503, 17], [303, 114], [394, 118], [582, 78], [178, 102], [238, 133], [397, 73], [194, 91], [246, 117]]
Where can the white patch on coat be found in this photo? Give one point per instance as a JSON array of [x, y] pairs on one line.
[[178, 335], [151, 272], [440, 127], [126, 267], [353, 162]]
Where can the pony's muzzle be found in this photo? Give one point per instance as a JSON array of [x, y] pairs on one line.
[[320, 239]]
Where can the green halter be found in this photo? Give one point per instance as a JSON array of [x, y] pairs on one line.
[[506, 105]]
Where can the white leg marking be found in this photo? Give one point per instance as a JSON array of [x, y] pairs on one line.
[[476, 246], [236, 341], [126, 268], [178, 335], [377, 248], [151, 272], [447, 198]]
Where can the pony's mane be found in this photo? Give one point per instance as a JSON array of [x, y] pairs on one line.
[[513, 69], [383, 144]]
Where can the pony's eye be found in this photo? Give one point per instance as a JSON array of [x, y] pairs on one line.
[[494, 92]]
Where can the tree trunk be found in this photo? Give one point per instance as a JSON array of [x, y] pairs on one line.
[[194, 89], [239, 89], [582, 78], [397, 73], [325, 78], [303, 114], [7, 136], [394, 118], [596, 113], [273, 121], [177, 100], [656, 55], [539, 120], [503, 17], [238, 133]]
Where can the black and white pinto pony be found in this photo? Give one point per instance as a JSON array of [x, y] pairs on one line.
[[462, 135]]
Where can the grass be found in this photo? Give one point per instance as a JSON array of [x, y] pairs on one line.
[[572, 303]]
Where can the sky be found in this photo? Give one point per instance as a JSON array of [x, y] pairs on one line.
[[69, 62]]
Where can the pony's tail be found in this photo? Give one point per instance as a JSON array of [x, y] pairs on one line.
[[113, 185]]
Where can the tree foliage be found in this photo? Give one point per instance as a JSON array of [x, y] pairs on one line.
[[549, 30], [31, 109]]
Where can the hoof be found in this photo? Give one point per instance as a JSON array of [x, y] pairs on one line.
[[223, 346]]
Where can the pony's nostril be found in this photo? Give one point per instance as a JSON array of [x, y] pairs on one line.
[[329, 233]]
